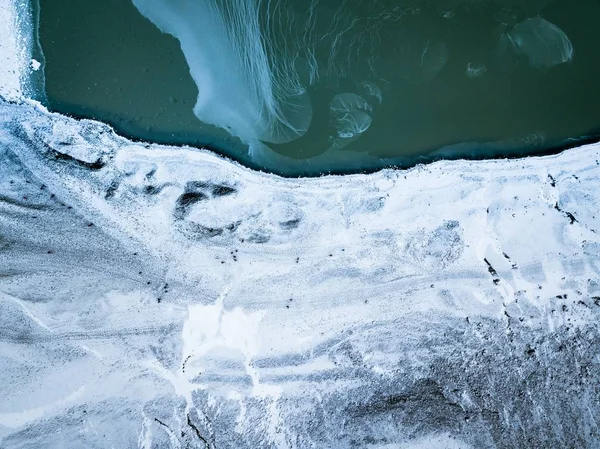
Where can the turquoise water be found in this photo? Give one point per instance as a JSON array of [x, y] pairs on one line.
[[304, 88]]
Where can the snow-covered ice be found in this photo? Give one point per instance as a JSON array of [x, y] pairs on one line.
[[155, 297], [12, 49]]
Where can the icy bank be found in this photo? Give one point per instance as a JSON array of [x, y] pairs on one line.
[[21, 74], [13, 50], [155, 296]]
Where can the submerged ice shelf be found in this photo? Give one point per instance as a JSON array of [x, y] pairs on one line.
[[158, 296]]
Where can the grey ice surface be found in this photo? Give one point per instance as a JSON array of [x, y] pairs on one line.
[[160, 297]]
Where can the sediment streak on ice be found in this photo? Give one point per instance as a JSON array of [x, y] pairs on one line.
[[189, 300]]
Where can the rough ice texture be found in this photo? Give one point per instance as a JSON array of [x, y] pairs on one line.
[[159, 297], [15, 49], [10, 76]]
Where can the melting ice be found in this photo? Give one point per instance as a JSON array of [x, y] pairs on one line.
[[239, 89]]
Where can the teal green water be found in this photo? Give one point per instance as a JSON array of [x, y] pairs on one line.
[[356, 85]]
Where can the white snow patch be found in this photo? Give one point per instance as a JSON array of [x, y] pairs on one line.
[[15, 49]]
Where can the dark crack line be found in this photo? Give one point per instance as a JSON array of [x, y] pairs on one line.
[[191, 424], [162, 424]]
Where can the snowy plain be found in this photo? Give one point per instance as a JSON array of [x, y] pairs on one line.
[[155, 296]]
